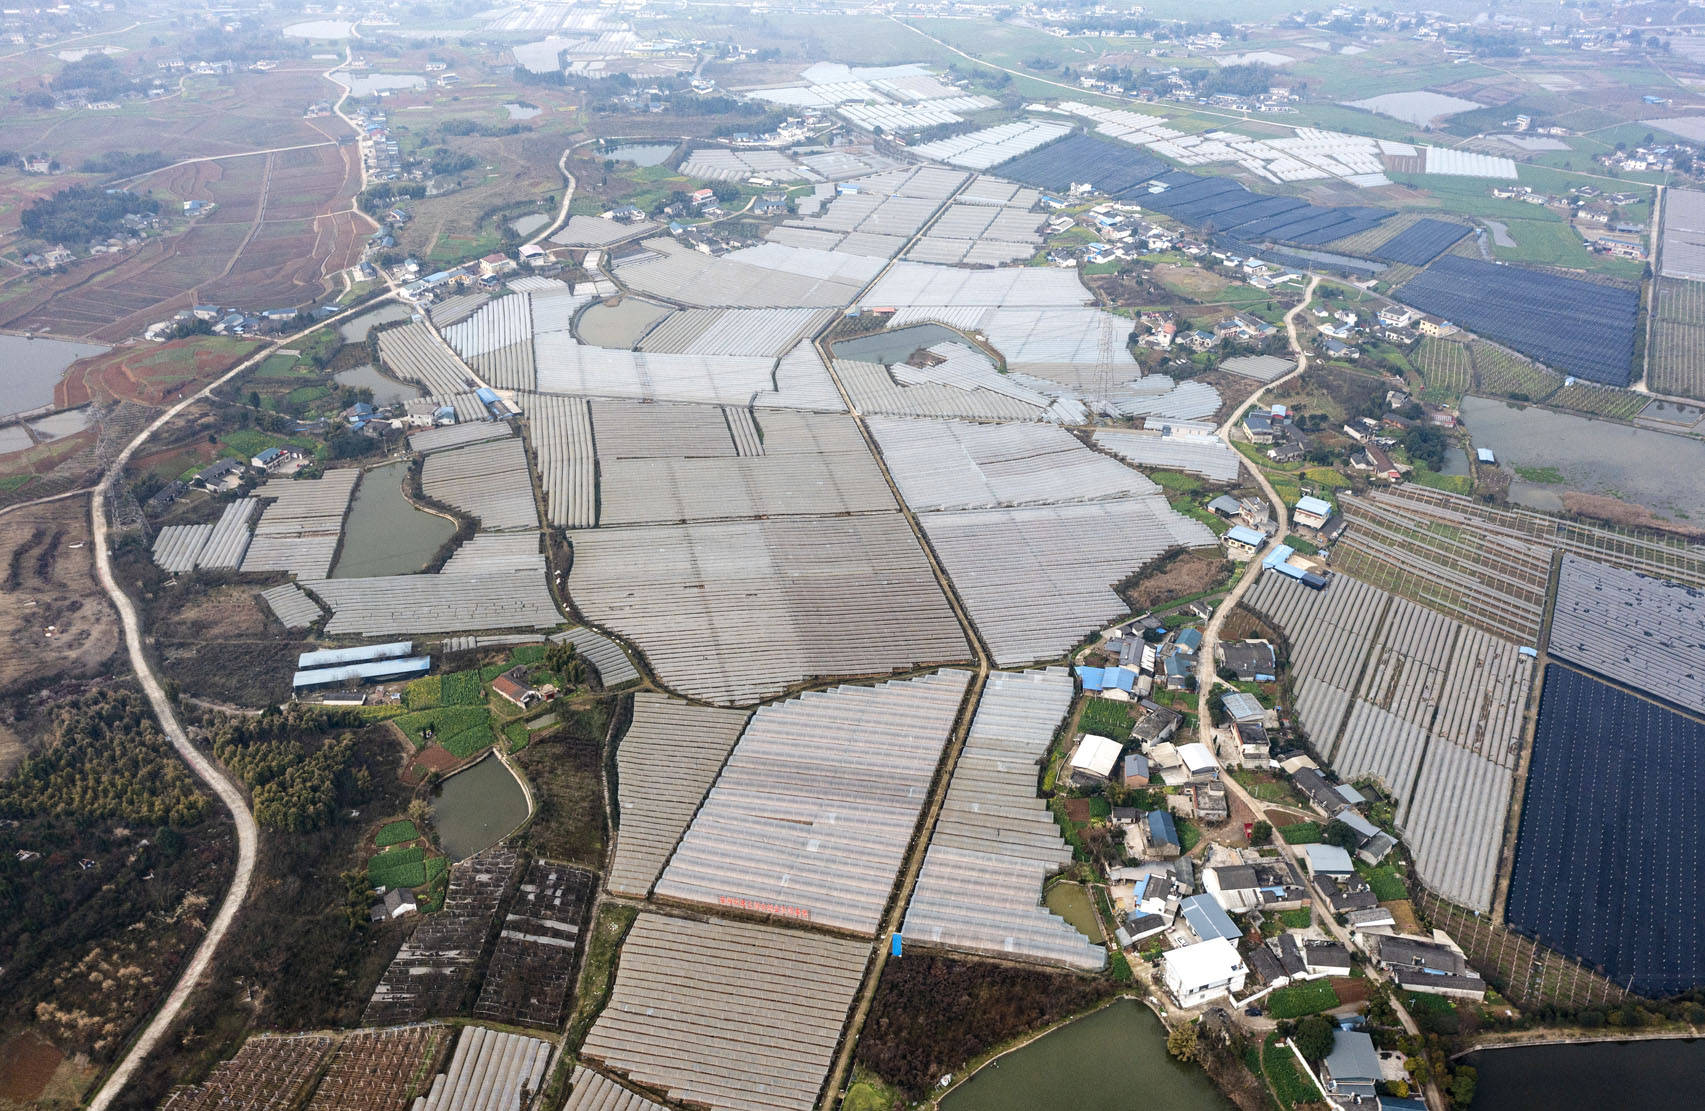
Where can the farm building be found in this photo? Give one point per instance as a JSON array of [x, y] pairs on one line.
[[1242, 542], [1197, 974], [1094, 759], [1328, 860], [1312, 512]]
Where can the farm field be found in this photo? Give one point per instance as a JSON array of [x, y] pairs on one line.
[[278, 236], [1675, 364], [1592, 797], [1527, 973]]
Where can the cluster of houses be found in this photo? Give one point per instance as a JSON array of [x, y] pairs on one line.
[[1275, 429], [1208, 914]]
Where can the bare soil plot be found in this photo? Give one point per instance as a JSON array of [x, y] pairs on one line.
[[53, 617]]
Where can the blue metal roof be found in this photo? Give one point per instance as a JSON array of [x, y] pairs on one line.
[[1208, 920], [328, 656], [1278, 556], [1190, 638], [1243, 534], [1162, 828], [1106, 678], [1242, 707], [1318, 506], [357, 673]]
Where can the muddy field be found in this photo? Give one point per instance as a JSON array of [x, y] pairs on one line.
[[1179, 576], [54, 619]]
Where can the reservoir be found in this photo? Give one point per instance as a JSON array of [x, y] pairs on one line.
[[385, 534], [619, 325], [477, 808], [1112, 1060], [34, 367], [897, 346], [386, 390], [1653, 1076]]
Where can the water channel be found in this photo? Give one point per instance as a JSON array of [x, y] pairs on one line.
[[1112, 1060], [477, 808], [1650, 1075], [385, 533]]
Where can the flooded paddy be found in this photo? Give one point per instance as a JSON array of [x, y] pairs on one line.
[[13, 437], [355, 329], [1652, 1075], [1637, 465], [385, 534], [34, 367], [519, 111], [386, 390], [477, 808], [897, 346], [619, 325], [1112, 1060], [642, 154]]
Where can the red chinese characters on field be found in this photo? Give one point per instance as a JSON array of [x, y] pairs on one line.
[[759, 906]]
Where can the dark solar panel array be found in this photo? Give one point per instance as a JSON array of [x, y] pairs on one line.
[[1420, 242], [1578, 327], [1607, 863], [1223, 205], [1112, 168], [1214, 204]]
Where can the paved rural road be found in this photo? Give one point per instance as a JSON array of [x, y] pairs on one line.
[[210, 773], [1205, 676]]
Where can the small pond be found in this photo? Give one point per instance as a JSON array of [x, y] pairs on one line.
[[33, 367], [618, 325], [1072, 901], [522, 111], [14, 437], [1456, 462], [642, 154], [897, 346], [386, 390], [355, 329], [63, 423], [385, 534], [1112, 1060], [527, 225], [477, 808]]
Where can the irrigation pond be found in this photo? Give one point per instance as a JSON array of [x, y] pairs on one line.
[[477, 808], [385, 533], [386, 390], [1112, 1060], [1650, 1075], [34, 367]]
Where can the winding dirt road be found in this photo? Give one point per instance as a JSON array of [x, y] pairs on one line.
[[209, 772]]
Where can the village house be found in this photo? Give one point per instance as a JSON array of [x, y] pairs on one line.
[[1198, 974]]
